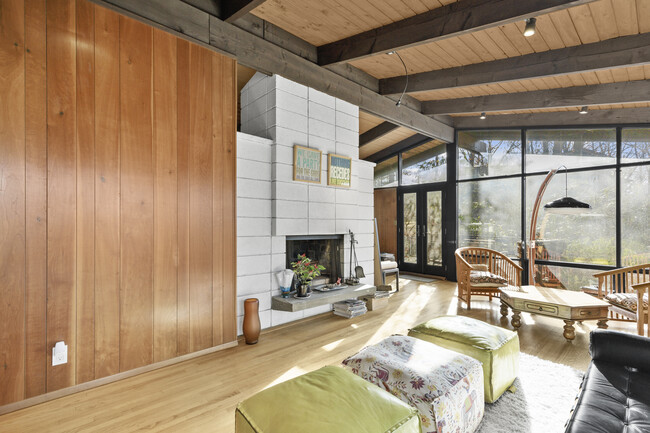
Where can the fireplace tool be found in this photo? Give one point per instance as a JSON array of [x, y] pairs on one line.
[[358, 270]]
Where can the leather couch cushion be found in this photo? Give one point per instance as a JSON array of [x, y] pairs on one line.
[[495, 347], [329, 400], [613, 398]]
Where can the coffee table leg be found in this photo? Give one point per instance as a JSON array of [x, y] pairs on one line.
[[569, 330], [504, 309], [602, 324], [516, 319]]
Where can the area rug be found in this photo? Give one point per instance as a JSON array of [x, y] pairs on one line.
[[545, 393], [417, 278]]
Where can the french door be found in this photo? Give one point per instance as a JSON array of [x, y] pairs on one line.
[[420, 230]]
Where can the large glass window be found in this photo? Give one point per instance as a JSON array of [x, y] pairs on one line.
[[563, 277], [489, 214], [425, 164], [488, 153], [386, 173], [635, 145], [547, 149], [584, 238], [635, 215]]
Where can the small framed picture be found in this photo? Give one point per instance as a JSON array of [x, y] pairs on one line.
[[339, 170], [306, 164]]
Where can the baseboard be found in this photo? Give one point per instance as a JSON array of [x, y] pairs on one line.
[[12, 407]]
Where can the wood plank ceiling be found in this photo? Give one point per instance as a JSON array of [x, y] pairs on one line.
[[321, 22]]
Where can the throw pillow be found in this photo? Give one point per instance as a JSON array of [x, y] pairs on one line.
[[486, 279], [627, 300]]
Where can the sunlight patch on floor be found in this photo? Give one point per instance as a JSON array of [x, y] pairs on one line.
[[289, 374], [333, 345]]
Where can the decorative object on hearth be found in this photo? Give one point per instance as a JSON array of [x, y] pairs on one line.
[[306, 270], [350, 308], [565, 206], [251, 326], [285, 278], [358, 270], [306, 164]]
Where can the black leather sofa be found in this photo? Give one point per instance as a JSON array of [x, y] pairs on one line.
[[615, 392]]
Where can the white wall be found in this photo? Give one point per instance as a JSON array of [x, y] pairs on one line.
[[271, 205]]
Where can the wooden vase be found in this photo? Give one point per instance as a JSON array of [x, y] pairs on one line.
[[251, 320]]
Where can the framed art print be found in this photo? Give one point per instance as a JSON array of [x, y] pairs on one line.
[[306, 164], [339, 170]]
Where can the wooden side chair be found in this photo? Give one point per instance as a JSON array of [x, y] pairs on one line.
[[470, 259], [626, 290]]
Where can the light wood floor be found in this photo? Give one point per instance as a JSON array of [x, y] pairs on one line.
[[200, 395]]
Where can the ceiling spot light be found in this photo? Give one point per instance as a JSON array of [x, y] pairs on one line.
[[390, 53], [583, 110], [483, 116], [530, 27], [406, 76]]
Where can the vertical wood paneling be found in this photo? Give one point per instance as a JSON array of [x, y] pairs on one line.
[[183, 143], [107, 194], [200, 169], [117, 195], [85, 191], [165, 196], [136, 288], [229, 246], [61, 211], [217, 200], [12, 202], [35, 198]]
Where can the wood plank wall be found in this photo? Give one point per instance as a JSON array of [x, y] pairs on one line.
[[117, 195], [386, 214]]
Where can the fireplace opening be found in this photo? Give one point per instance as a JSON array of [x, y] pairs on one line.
[[326, 250]]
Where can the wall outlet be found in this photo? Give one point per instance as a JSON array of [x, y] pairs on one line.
[[59, 353]]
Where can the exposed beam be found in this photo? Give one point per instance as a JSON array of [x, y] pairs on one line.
[[250, 50], [454, 19], [376, 132], [611, 53], [559, 118], [598, 94], [232, 10], [413, 140]]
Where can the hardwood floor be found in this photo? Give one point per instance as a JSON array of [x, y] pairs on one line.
[[201, 394]]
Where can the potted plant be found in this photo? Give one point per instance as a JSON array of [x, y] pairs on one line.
[[305, 271]]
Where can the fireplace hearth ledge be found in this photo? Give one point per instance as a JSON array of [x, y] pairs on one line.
[[321, 298]]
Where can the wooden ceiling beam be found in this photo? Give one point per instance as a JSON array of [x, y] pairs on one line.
[[559, 118], [376, 132], [408, 142], [566, 97], [193, 24], [232, 10], [455, 19], [612, 53]]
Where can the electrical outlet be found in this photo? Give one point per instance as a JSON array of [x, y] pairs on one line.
[[59, 353]]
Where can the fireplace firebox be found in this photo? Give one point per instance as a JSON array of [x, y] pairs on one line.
[[327, 250]]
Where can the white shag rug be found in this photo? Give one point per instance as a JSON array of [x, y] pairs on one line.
[[542, 402]]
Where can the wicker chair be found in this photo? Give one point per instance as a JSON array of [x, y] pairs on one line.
[[496, 263], [625, 281]]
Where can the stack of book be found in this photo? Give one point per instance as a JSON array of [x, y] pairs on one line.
[[350, 308]]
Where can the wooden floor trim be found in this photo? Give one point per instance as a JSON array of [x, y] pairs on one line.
[[8, 408]]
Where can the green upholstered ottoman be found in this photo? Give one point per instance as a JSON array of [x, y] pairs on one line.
[[496, 348], [329, 400]]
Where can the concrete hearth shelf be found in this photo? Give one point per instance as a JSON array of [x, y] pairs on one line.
[[321, 298]]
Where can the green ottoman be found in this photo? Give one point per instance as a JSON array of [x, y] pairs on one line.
[[329, 400], [496, 348]]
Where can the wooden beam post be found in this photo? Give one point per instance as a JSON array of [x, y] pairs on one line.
[[232, 10], [376, 132], [413, 140], [598, 94], [462, 17]]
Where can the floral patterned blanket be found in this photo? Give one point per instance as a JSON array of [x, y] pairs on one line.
[[445, 386]]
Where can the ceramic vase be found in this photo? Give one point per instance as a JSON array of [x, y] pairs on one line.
[[251, 320]]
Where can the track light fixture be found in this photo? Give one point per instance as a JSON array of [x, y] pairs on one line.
[[482, 116], [406, 75], [529, 30], [583, 110]]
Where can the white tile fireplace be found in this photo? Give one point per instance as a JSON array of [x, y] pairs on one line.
[[276, 115]]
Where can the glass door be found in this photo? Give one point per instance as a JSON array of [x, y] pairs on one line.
[[421, 232]]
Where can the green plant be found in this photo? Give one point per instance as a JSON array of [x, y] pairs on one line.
[[305, 269]]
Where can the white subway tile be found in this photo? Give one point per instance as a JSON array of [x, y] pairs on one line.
[[322, 98], [250, 188], [347, 108], [365, 185], [286, 226], [252, 265], [288, 137], [364, 169], [322, 210], [264, 299], [322, 226], [322, 113], [253, 148], [290, 209], [278, 263], [365, 198], [343, 149], [254, 245], [322, 194], [282, 172], [288, 101], [343, 226], [253, 207], [249, 284], [290, 191], [347, 211], [324, 145], [365, 212], [291, 86], [346, 121], [346, 196], [247, 169], [322, 129], [282, 317], [253, 226], [347, 136], [290, 120], [278, 244], [283, 154]]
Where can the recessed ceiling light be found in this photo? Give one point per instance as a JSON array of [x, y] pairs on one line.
[[390, 53], [483, 116], [530, 27], [583, 110]]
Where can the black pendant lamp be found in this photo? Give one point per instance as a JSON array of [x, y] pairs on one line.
[[566, 205]]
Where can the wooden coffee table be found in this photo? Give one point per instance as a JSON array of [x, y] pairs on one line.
[[563, 304]]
